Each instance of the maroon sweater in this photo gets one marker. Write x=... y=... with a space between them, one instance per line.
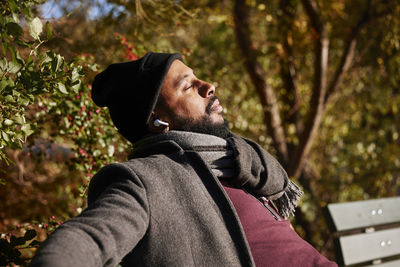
x=273 y=243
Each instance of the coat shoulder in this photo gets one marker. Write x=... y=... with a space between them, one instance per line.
x=108 y=175
x=137 y=170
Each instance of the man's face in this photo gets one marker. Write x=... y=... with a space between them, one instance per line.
x=188 y=103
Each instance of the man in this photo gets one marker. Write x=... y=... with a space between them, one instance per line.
x=192 y=193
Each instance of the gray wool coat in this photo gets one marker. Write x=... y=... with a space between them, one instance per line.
x=162 y=208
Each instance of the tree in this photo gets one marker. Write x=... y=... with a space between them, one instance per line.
x=294 y=107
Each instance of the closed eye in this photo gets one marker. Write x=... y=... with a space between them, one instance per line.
x=190 y=86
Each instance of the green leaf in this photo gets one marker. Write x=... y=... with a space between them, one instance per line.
x=60 y=61
x=110 y=150
x=30 y=97
x=5 y=136
x=35 y=243
x=3 y=63
x=27 y=11
x=44 y=58
x=26 y=128
x=3 y=85
x=19 y=119
x=15 y=17
x=2 y=20
x=75 y=75
x=10 y=83
x=16 y=144
x=22 y=43
x=9 y=99
x=93 y=67
x=14 y=29
x=8 y=122
x=16 y=94
x=19 y=59
x=56 y=63
x=13 y=67
x=96 y=153
x=4 y=157
x=49 y=33
x=35 y=28
x=13 y=52
x=13 y=6
x=3 y=181
x=102 y=142
x=23 y=101
x=62 y=88
x=75 y=87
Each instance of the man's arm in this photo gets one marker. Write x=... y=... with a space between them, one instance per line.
x=103 y=233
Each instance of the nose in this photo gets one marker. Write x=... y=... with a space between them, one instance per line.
x=206 y=89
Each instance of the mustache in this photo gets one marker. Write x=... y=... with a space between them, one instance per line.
x=210 y=104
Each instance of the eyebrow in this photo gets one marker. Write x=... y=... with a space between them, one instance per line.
x=180 y=81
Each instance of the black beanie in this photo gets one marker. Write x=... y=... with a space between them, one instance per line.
x=130 y=91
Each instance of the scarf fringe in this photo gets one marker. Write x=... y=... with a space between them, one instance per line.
x=287 y=203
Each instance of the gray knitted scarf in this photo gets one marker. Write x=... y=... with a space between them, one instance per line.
x=239 y=163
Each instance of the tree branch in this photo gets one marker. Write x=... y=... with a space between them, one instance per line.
x=288 y=69
x=258 y=76
x=348 y=53
x=316 y=106
x=312 y=11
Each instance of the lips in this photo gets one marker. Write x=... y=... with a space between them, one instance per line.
x=216 y=107
x=213 y=106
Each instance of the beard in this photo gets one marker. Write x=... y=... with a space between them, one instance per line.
x=203 y=125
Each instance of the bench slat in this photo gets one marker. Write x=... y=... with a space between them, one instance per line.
x=395 y=263
x=370 y=246
x=361 y=214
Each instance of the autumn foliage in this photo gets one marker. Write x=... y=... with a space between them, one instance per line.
x=314 y=82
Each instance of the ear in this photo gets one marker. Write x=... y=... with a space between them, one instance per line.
x=156 y=129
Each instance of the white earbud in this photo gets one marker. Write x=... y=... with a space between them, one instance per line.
x=158 y=123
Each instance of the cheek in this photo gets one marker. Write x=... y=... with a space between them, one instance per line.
x=191 y=107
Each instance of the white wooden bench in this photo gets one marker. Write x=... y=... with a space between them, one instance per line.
x=366 y=233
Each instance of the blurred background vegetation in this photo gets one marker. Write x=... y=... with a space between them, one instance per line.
x=315 y=82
